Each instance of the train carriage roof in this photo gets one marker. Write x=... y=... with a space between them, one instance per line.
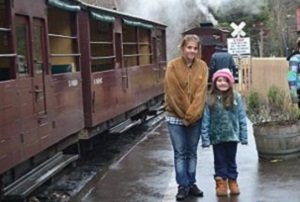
x=203 y=30
x=127 y=18
x=72 y=5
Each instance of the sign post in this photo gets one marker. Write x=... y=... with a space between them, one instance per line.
x=237 y=46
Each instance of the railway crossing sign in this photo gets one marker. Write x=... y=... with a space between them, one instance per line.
x=238 y=29
x=239 y=46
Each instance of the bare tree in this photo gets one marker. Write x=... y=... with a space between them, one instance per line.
x=283 y=25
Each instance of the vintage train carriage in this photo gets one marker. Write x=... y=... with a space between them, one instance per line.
x=70 y=70
x=123 y=66
x=210 y=37
x=39 y=106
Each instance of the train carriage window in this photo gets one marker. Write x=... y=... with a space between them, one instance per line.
x=63 y=41
x=6 y=55
x=145 y=46
x=137 y=49
x=102 y=49
x=130 y=46
x=38 y=31
x=22 y=34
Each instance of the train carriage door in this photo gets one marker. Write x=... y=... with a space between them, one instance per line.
x=30 y=51
x=161 y=51
x=155 y=57
x=38 y=48
x=130 y=50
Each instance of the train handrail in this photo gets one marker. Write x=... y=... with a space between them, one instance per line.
x=5 y=29
x=101 y=42
x=8 y=55
x=62 y=36
x=65 y=55
x=103 y=57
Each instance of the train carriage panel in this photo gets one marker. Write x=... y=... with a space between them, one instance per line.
x=31 y=62
x=144 y=78
x=103 y=93
x=64 y=59
x=22 y=55
x=46 y=106
x=9 y=126
x=119 y=65
x=9 y=119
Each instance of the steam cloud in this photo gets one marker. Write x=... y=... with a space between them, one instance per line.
x=180 y=15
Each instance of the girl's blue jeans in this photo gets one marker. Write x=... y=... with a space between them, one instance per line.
x=225 y=160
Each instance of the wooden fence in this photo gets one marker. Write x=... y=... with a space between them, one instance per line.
x=259 y=74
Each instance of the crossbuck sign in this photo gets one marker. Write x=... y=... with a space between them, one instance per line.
x=238 y=29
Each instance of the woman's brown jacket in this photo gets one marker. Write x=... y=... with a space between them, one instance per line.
x=185 y=89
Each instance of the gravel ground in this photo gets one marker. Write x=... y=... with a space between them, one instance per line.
x=76 y=180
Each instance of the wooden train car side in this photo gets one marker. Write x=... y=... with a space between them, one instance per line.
x=44 y=108
x=69 y=70
x=123 y=64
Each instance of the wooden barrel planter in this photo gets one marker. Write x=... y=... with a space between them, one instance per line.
x=277 y=140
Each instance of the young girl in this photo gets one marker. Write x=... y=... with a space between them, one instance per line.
x=223 y=126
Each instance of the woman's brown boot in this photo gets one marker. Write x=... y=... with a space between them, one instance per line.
x=221 y=186
x=233 y=187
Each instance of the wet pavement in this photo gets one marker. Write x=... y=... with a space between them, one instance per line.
x=146 y=174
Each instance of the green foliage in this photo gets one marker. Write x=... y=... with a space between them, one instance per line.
x=276 y=97
x=274 y=19
x=277 y=107
x=254 y=22
x=253 y=101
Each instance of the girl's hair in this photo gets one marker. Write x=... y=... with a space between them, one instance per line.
x=227 y=97
x=189 y=37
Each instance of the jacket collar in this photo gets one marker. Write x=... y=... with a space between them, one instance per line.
x=186 y=63
x=293 y=53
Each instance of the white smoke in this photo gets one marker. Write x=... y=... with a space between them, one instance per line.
x=181 y=15
x=173 y=13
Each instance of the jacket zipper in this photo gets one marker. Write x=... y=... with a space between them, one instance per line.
x=189 y=83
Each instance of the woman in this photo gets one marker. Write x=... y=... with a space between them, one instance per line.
x=185 y=90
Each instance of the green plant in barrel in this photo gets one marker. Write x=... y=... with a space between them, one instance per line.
x=276 y=124
x=276 y=107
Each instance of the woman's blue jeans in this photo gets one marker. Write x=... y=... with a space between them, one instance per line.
x=185 y=142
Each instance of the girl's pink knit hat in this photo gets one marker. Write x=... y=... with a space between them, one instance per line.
x=224 y=73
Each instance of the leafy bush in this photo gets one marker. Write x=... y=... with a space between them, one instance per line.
x=277 y=107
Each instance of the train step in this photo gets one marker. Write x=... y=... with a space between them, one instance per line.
x=124 y=126
x=155 y=110
x=24 y=186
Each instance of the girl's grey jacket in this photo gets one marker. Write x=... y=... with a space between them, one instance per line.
x=224 y=125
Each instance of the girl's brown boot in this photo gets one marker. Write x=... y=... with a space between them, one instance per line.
x=221 y=186
x=233 y=187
